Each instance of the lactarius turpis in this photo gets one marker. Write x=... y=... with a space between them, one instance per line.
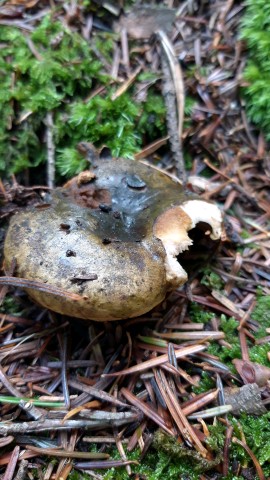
x=111 y=235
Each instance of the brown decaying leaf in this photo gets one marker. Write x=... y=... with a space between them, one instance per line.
x=251 y=372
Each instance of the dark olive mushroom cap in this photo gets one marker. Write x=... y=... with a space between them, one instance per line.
x=111 y=236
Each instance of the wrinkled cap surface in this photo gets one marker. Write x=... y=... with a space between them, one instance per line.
x=111 y=235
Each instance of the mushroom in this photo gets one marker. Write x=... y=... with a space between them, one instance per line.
x=112 y=236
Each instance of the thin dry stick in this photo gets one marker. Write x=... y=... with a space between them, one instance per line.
x=50 y=150
x=154 y=362
x=174 y=96
x=66 y=453
x=22 y=470
x=199 y=402
x=42 y=287
x=63 y=345
x=252 y=456
x=226 y=450
x=12 y=464
x=28 y=407
x=52 y=425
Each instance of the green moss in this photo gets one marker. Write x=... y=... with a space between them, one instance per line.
x=257 y=434
x=199 y=314
x=258 y=354
x=207 y=382
x=212 y=280
x=261 y=312
x=56 y=70
x=216 y=438
x=227 y=354
x=255 y=31
x=10 y=306
x=172 y=460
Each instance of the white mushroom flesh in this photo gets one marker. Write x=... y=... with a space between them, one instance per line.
x=172 y=229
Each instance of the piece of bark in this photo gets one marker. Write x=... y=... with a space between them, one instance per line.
x=142 y=22
x=246 y=399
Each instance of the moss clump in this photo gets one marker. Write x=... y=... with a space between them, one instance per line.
x=190 y=459
x=257 y=434
x=261 y=312
x=53 y=69
x=212 y=280
x=199 y=314
x=255 y=31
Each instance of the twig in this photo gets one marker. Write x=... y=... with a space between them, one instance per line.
x=22 y=470
x=174 y=97
x=63 y=345
x=42 y=287
x=46 y=425
x=28 y=407
x=252 y=456
x=12 y=464
x=154 y=362
x=95 y=392
x=67 y=454
x=104 y=464
x=50 y=150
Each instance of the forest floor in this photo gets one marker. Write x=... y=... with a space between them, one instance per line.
x=204 y=416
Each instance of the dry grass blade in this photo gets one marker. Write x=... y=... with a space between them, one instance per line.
x=199 y=402
x=211 y=412
x=180 y=419
x=150 y=149
x=104 y=465
x=148 y=411
x=123 y=88
x=100 y=394
x=183 y=352
x=75 y=411
x=208 y=335
x=185 y=326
